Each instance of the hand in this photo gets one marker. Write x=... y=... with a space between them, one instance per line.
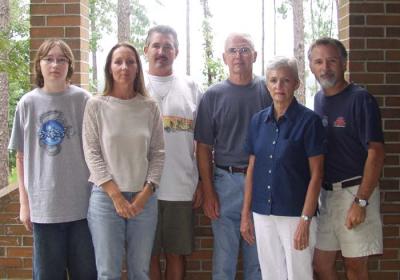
x=355 y=216
x=25 y=217
x=302 y=234
x=198 y=197
x=138 y=203
x=122 y=206
x=211 y=205
x=247 y=229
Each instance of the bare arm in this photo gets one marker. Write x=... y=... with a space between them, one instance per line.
x=246 y=223
x=301 y=237
x=24 y=212
x=372 y=171
x=204 y=160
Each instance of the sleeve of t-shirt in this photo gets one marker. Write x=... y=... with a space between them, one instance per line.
x=203 y=132
x=368 y=120
x=315 y=137
x=17 y=134
x=91 y=145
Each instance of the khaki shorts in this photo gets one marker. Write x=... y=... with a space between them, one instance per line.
x=174 y=233
x=332 y=234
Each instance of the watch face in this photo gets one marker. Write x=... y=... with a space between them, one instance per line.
x=361 y=202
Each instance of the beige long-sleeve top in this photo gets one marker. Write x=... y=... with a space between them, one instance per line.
x=123 y=141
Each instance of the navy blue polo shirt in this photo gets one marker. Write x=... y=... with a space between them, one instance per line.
x=352 y=119
x=282 y=148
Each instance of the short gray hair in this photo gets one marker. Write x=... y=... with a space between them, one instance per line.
x=326 y=41
x=245 y=36
x=283 y=62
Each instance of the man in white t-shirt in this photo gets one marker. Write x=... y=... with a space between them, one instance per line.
x=178 y=97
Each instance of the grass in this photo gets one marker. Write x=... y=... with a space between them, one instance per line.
x=12 y=178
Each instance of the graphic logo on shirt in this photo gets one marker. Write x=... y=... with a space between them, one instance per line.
x=52 y=131
x=173 y=124
x=325 y=121
x=339 y=122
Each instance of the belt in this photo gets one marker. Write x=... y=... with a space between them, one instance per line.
x=342 y=185
x=233 y=169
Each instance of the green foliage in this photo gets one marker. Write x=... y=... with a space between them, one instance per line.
x=140 y=23
x=101 y=14
x=283 y=9
x=14 y=44
x=213 y=70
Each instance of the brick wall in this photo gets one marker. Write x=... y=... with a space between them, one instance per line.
x=370 y=30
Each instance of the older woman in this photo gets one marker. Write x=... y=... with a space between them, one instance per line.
x=124 y=150
x=286 y=144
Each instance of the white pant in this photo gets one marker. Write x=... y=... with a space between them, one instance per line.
x=275 y=245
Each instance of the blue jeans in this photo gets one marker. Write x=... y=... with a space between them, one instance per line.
x=226 y=229
x=112 y=235
x=61 y=248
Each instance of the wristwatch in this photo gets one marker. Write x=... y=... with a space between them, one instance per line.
x=361 y=202
x=306 y=218
x=151 y=185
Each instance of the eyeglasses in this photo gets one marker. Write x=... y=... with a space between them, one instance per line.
x=51 y=60
x=241 y=51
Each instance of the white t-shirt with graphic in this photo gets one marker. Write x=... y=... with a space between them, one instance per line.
x=178 y=98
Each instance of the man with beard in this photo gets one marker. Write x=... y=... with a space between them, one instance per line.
x=221 y=127
x=178 y=97
x=349 y=218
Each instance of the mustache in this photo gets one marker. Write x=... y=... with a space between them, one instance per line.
x=163 y=57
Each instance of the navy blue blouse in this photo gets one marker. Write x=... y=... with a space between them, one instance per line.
x=282 y=148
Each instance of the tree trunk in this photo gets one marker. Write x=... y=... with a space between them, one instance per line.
x=298 y=32
x=124 y=12
x=4 y=25
x=188 y=37
x=262 y=37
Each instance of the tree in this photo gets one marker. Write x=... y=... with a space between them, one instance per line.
x=139 y=25
x=100 y=15
x=123 y=15
x=298 y=33
x=14 y=60
x=213 y=68
x=4 y=26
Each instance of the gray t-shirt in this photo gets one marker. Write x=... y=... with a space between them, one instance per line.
x=223 y=117
x=48 y=131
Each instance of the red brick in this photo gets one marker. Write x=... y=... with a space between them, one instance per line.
x=19 y=251
x=16 y=230
x=383 y=20
x=392 y=78
x=48 y=9
x=367 y=78
x=37 y=20
x=392 y=160
x=391 y=171
x=390 y=231
x=63 y=20
x=391 y=242
x=384 y=89
x=10 y=262
x=27 y=262
x=383 y=43
x=393 y=31
x=393 y=8
x=383 y=67
x=390 y=208
x=47 y=32
x=389 y=184
x=357 y=20
x=383 y=275
x=27 y=241
x=392 y=124
x=366 y=55
x=392 y=101
x=390 y=113
x=364 y=8
x=392 y=136
x=9 y=241
x=19 y=274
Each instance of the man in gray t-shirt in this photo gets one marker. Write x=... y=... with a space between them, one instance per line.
x=221 y=127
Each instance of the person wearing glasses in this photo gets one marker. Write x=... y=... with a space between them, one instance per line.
x=52 y=173
x=286 y=146
x=124 y=149
x=223 y=117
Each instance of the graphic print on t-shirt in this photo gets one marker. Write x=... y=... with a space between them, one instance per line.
x=52 y=131
x=174 y=123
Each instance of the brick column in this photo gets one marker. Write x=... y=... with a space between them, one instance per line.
x=67 y=20
x=371 y=32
